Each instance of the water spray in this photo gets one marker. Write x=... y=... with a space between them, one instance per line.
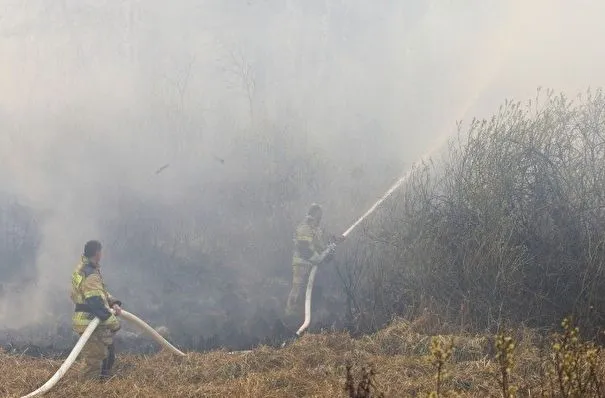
x=84 y=338
x=371 y=210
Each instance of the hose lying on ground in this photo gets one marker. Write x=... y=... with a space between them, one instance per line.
x=84 y=338
x=68 y=362
x=152 y=332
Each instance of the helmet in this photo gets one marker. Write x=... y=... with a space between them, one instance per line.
x=315 y=211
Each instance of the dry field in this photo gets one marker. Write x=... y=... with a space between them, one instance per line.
x=314 y=366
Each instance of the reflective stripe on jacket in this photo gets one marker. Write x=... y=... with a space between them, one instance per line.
x=308 y=241
x=91 y=298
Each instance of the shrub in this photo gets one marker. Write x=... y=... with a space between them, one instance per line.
x=509 y=225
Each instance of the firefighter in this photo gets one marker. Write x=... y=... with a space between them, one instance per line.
x=309 y=249
x=91 y=300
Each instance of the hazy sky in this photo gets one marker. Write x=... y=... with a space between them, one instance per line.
x=96 y=95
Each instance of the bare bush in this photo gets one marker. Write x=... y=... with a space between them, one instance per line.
x=508 y=226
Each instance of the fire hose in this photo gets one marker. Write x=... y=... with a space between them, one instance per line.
x=309 y=290
x=84 y=338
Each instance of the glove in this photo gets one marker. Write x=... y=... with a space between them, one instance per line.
x=316 y=259
x=113 y=302
x=336 y=239
x=328 y=254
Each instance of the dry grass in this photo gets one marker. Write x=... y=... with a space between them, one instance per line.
x=313 y=366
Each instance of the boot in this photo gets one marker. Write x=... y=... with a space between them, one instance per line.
x=108 y=363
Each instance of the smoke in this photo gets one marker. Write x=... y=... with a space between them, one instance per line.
x=222 y=120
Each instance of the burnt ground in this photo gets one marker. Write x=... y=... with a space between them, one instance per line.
x=48 y=342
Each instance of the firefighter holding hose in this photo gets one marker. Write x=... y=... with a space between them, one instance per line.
x=91 y=300
x=310 y=249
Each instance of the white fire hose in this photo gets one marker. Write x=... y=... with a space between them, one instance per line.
x=309 y=291
x=84 y=338
x=152 y=332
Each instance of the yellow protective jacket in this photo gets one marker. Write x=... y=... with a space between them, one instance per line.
x=91 y=298
x=308 y=243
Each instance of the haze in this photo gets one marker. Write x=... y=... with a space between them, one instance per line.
x=218 y=122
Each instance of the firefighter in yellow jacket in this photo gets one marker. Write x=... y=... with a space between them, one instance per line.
x=92 y=300
x=310 y=249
